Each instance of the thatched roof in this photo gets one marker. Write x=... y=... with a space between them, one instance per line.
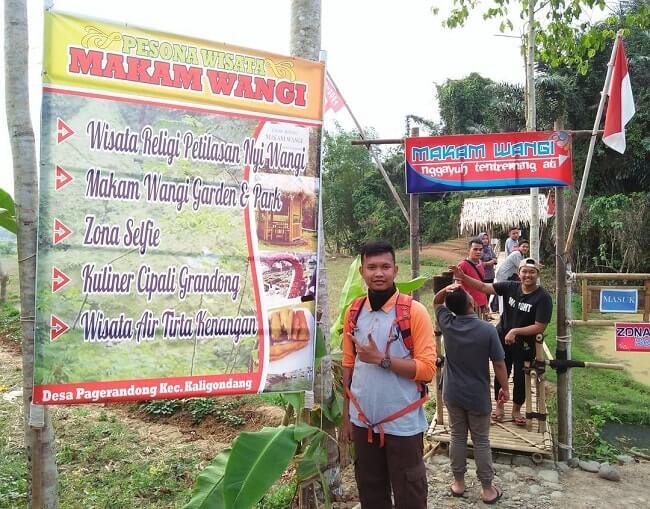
x=288 y=184
x=483 y=214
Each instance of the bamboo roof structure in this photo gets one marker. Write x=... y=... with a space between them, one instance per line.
x=288 y=184
x=483 y=214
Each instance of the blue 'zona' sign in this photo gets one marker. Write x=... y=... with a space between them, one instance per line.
x=618 y=300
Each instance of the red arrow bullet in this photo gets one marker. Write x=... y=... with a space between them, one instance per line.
x=57 y=327
x=63 y=131
x=59 y=279
x=61 y=178
x=61 y=231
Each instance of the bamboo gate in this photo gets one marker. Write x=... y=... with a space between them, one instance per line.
x=535 y=440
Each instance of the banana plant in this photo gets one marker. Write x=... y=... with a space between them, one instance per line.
x=7 y=212
x=240 y=476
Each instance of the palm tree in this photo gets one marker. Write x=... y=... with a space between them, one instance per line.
x=306 y=42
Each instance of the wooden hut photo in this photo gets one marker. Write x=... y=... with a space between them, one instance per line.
x=286 y=226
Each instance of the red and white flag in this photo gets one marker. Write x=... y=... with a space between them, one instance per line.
x=333 y=100
x=620 y=106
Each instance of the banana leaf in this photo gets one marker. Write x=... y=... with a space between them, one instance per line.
x=302 y=431
x=412 y=285
x=321 y=348
x=7 y=212
x=208 y=491
x=310 y=462
x=296 y=400
x=256 y=461
x=334 y=411
x=352 y=288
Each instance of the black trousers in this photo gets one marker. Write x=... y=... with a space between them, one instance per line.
x=397 y=465
x=516 y=354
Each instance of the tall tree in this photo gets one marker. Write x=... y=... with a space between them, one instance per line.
x=306 y=43
x=563 y=37
x=39 y=441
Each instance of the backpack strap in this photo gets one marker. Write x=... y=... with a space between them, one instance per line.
x=403 y=317
x=355 y=310
x=424 y=397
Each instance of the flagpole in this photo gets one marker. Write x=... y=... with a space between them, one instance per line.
x=592 y=144
x=372 y=153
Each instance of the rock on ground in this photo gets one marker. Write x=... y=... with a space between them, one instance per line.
x=589 y=466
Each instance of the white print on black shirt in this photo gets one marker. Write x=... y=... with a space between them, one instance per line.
x=522 y=306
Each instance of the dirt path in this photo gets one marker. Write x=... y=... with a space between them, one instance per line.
x=542 y=486
x=636 y=364
x=451 y=250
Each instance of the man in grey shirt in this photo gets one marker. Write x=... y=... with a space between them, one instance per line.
x=512 y=241
x=470 y=344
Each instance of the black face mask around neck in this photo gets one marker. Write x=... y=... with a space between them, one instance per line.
x=378 y=299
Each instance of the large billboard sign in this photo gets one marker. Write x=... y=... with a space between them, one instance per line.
x=438 y=164
x=177 y=243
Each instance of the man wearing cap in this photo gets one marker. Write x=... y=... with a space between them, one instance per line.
x=527 y=310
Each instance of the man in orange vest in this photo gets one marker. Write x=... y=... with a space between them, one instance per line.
x=388 y=356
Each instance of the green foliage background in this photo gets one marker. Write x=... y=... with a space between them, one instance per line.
x=615 y=217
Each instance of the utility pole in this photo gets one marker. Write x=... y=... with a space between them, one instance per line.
x=531 y=125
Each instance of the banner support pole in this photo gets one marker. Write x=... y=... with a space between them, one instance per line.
x=380 y=166
x=592 y=144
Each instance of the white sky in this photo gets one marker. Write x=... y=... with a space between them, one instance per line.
x=384 y=56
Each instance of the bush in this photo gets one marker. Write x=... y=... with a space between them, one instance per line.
x=162 y=407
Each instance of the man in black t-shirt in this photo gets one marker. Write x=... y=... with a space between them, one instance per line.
x=527 y=310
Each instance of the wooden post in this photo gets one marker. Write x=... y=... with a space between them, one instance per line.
x=414 y=227
x=561 y=350
x=540 y=386
x=439 y=282
x=586 y=301
x=440 y=413
x=4 y=279
x=528 y=373
x=646 y=303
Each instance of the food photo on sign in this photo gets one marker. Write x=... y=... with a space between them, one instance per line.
x=289 y=290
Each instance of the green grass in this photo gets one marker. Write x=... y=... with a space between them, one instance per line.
x=109 y=463
x=10 y=323
x=13 y=470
